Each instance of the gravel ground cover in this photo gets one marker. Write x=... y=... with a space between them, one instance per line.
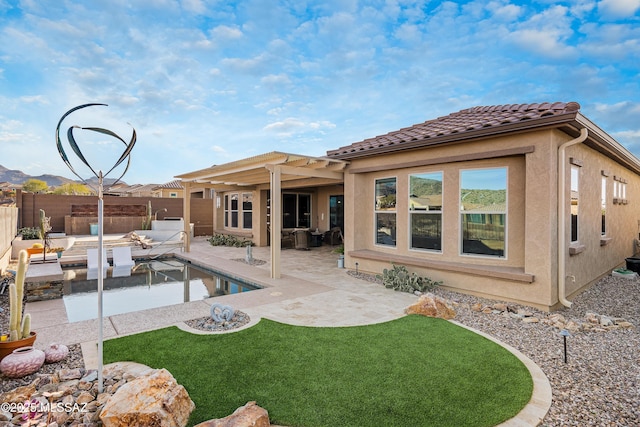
x=598 y=386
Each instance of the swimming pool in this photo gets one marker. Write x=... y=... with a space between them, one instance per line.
x=152 y=284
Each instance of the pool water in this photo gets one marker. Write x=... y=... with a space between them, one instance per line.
x=152 y=284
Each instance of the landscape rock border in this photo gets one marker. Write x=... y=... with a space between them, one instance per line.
x=592 y=322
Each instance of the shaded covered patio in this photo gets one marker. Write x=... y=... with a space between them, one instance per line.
x=249 y=191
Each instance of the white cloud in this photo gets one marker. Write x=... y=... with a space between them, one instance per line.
x=292 y=126
x=250 y=65
x=504 y=12
x=627 y=134
x=195 y=6
x=275 y=80
x=226 y=32
x=618 y=8
x=286 y=126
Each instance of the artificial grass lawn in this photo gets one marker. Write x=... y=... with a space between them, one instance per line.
x=413 y=371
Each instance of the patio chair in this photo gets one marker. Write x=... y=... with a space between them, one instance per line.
x=287 y=240
x=302 y=239
x=92 y=263
x=333 y=236
x=122 y=261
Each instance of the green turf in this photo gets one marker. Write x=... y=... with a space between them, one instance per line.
x=413 y=371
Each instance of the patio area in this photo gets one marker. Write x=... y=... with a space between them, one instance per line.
x=312 y=291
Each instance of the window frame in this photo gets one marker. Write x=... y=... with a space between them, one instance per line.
x=483 y=213
x=574 y=199
x=245 y=211
x=377 y=210
x=426 y=212
x=297 y=214
x=234 y=218
x=603 y=205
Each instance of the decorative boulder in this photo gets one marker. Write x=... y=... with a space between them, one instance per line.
x=432 y=306
x=155 y=399
x=249 y=415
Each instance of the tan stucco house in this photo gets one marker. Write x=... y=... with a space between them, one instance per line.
x=529 y=203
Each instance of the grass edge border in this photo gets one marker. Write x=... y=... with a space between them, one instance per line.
x=536 y=409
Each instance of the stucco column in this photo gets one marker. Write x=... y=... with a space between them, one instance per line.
x=276 y=220
x=186 y=214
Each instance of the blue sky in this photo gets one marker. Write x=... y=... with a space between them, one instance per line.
x=205 y=82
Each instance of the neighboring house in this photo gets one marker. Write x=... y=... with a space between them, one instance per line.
x=119 y=190
x=141 y=190
x=530 y=203
x=171 y=189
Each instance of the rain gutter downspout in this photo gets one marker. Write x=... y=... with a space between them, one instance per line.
x=562 y=252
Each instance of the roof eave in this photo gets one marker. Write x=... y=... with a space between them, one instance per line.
x=482 y=133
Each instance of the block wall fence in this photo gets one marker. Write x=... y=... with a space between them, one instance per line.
x=57 y=207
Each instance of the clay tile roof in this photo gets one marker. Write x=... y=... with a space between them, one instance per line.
x=465 y=124
x=175 y=184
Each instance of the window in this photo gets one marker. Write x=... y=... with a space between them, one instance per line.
x=619 y=190
x=425 y=211
x=483 y=211
x=226 y=210
x=603 y=206
x=336 y=211
x=296 y=210
x=575 y=197
x=234 y=211
x=385 y=211
x=247 y=206
x=173 y=194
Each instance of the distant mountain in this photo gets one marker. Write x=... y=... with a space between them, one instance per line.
x=19 y=177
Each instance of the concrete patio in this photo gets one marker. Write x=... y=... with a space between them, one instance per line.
x=313 y=291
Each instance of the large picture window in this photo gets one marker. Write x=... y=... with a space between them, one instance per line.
x=483 y=211
x=425 y=210
x=385 y=211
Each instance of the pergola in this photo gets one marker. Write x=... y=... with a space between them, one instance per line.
x=270 y=171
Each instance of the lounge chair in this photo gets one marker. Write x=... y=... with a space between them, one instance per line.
x=92 y=263
x=122 y=261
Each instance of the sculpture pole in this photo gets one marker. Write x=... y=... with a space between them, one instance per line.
x=100 y=176
x=100 y=279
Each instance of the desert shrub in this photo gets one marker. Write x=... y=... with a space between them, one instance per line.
x=30 y=233
x=228 y=240
x=398 y=278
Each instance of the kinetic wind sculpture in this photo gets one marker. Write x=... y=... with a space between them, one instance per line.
x=126 y=155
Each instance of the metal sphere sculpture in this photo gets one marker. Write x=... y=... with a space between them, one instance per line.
x=76 y=149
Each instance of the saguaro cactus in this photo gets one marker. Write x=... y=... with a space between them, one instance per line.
x=19 y=328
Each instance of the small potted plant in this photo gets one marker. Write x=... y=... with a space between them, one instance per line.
x=56 y=250
x=19 y=332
